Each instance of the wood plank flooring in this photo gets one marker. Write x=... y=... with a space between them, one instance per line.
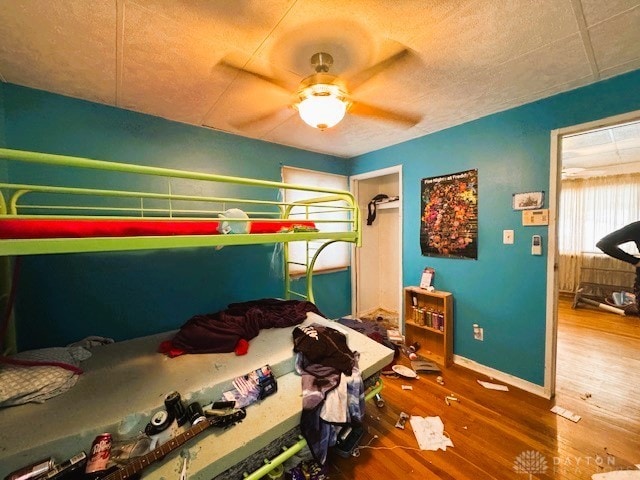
x=511 y=435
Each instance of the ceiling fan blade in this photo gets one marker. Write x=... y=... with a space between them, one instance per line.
x=273 y=81
x=366 y=110
x=368 y=73
x=274 y=117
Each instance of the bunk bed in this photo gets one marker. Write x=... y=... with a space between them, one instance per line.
x=136 y=207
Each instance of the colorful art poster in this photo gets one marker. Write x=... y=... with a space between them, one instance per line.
x=449 y=215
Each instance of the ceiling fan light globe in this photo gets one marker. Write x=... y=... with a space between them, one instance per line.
x=322 y=111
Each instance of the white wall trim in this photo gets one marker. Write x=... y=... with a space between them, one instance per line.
x=551 y=329
x=353 y=183
x=378 y=173
x=501 y=377
x=552 y=267
x=606 y=122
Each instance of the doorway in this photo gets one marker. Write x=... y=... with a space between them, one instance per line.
x=377 y=273
x=600 y=150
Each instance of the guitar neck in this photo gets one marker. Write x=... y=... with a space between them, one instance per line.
x=139 y=463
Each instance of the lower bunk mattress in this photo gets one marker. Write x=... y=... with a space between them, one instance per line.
x=125 y=383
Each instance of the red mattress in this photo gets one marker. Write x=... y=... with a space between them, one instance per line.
x=28 y=228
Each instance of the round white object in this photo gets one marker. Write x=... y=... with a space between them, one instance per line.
x=234 y=226
x=404 y=371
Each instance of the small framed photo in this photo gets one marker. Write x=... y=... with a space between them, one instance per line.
x=426 y=280
x=528 y=200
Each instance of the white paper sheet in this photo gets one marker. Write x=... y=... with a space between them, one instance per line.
x=429 y=432
x=493 y=386
x=568 y=414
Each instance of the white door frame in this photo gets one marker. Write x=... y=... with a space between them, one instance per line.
x=353 y=181
x=552 y=257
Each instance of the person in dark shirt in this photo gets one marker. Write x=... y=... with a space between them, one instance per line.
x=610 y=244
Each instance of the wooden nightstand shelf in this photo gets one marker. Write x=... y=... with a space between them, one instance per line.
x=428 y=319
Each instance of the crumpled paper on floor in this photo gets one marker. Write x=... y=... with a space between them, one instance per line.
x=429 y=432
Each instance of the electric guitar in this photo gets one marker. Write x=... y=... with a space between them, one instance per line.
x=137 y=464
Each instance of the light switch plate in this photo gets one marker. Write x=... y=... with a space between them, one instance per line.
x=507 y=237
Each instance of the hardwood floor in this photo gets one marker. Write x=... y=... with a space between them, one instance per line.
x=598 y=375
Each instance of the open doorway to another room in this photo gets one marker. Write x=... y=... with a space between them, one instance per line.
x=377 y=272
x=594 y=340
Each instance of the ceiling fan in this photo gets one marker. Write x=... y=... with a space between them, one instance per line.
x=322 y=99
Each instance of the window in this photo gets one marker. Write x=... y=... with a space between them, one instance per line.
x=591 y=208
x=337 y=255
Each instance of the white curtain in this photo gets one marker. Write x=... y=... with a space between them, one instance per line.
x=590 y=208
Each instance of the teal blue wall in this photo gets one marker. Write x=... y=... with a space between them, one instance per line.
x=504 y=290
x=2 y=114
x=63 y=298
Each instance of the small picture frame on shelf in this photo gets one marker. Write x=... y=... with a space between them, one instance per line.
x=426 y=281
x=528 y=200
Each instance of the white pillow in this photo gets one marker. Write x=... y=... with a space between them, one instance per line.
x=23 y=384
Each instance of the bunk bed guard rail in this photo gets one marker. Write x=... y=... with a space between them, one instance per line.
x=334 y=212
x=161 y=208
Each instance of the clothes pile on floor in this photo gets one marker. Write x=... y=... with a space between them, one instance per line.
x=375 y=331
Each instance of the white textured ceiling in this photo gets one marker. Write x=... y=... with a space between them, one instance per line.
x=170 y=58
x=607 y=151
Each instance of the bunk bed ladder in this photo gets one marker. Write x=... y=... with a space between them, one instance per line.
x=312 y=250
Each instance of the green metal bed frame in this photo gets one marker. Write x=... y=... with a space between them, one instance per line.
x=12 y=205
x=176 y=206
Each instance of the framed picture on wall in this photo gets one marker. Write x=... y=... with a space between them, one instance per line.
x=426 y=280
x=528 y=200
x=449 y=215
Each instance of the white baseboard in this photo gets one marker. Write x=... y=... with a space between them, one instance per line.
x=501 y=376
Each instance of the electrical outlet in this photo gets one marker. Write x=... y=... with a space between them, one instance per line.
x=478 y=332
